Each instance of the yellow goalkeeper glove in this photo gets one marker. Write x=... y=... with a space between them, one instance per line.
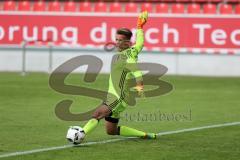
x=142 y=19
x=139 y=89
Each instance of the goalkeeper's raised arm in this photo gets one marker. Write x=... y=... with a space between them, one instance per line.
x=142 y=19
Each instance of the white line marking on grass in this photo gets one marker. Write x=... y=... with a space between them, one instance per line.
x=115 y=140
x=198 y=128
x=56 y=148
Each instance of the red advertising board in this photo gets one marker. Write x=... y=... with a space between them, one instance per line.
x=94 y=29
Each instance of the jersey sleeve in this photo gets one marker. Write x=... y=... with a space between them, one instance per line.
x=139 y=41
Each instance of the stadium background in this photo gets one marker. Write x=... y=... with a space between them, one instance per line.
x=197 y=40
x=189 y=37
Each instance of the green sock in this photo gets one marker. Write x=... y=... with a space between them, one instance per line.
x=91 y=124
x=130 y=132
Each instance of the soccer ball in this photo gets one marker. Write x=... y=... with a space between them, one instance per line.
x=75 y=134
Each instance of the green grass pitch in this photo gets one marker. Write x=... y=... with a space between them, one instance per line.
x=28 y=121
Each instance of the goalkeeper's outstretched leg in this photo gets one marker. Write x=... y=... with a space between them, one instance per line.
x=112 y=127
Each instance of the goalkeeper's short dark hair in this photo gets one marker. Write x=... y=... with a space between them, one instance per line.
x=126 y=32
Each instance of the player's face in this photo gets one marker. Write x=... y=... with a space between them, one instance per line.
x=122 y=42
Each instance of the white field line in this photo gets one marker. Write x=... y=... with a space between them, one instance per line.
x=114 y=140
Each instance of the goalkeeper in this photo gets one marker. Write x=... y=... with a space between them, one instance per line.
x=121 y=71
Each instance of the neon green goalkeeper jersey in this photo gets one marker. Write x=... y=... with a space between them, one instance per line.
x=123 y=68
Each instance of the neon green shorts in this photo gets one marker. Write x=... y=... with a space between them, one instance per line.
x=117 y=108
